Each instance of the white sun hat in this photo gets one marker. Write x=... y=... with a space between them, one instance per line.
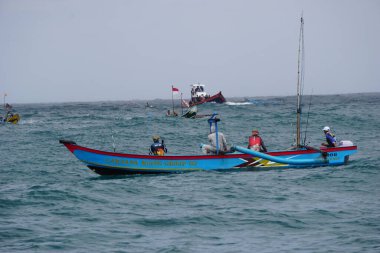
x=326 y=128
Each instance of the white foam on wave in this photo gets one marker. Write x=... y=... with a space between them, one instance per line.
x=28 y=122
x=239 y=103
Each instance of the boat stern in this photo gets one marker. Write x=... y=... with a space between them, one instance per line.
x=339 y=155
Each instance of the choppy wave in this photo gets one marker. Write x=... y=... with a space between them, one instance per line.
x=50 y=202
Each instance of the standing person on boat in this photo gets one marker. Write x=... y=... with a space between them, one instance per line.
x=8 y=111
x=256 y=143
x=158 y=148
x=7 y=107
x=222 y=143
x=330 y=138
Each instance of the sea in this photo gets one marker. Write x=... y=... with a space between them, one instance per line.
x=51 y=202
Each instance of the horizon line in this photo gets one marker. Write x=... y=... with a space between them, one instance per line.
x=138 y=99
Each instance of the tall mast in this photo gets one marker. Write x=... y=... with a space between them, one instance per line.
x=299 y=84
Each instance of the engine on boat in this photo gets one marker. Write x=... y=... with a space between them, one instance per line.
x=345 y=144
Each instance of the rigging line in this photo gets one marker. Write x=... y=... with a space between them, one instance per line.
x=307 y=119
x=294 y=134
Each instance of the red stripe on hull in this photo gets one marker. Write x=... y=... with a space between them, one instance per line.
x=73 y=147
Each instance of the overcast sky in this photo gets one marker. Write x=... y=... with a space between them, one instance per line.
x=96 y=50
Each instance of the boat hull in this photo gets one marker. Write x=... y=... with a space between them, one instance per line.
x=14 y=119
x=191 y=113
x=217 y=98
x=110 y=163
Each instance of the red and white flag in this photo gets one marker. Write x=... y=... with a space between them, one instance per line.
x=175 y=90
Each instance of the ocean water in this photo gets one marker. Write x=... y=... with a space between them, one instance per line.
x=50 y=202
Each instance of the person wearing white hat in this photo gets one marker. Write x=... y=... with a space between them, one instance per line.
x=330 y=138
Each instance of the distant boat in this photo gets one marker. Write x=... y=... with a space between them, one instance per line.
x=199 y=96
x=148 y=105
x=172 y=113
x=191 y=112
x=9 y=116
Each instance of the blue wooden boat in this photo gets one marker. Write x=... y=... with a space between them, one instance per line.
x=111 y=163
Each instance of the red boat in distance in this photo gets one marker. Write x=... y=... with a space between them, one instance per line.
x=199 y=96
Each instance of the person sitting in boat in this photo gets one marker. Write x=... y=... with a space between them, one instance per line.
x=256 y=143
x=9 y=115
x=158 y=148
x=169 y=114
x=222 y=143
x=330 y=138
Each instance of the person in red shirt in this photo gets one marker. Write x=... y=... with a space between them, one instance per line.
x=256 y=143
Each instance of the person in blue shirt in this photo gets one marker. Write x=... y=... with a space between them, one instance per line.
x=158 y=148
x=330 y=138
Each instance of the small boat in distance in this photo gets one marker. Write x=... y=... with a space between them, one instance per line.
x=199 y=95
x=148 y=105
x=9 y=116
x=191 y=113
x=191 y=110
